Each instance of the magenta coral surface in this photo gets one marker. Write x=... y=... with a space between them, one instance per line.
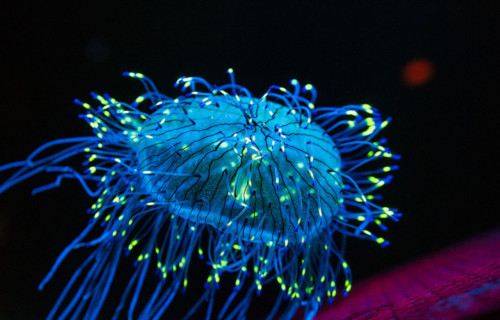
x=460 y=282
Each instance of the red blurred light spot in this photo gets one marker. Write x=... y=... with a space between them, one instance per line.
x=418 y=72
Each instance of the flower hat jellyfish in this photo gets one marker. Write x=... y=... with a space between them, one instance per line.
x=252 y=186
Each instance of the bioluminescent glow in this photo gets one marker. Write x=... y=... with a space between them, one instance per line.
x=252 y=186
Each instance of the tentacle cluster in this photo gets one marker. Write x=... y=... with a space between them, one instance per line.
x=256 y=202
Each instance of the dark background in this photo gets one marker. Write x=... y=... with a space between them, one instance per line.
x=353 y=52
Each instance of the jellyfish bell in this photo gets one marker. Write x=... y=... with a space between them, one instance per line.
x=232 y=166
x=253 y=186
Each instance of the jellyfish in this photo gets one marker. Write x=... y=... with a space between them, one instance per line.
x=252 y=186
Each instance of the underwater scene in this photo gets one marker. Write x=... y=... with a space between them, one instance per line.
x=249 y=160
